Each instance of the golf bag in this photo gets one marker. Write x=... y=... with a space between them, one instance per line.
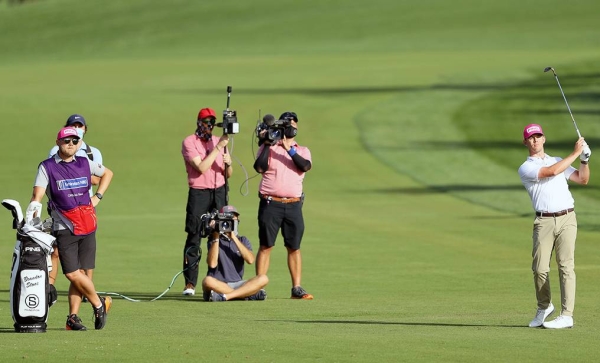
x=31 y=294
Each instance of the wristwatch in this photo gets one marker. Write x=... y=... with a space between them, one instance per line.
x=98 y=195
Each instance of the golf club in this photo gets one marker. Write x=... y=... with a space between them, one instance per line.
x=565 y=98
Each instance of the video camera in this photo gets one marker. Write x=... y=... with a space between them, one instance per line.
x=276 y=129
x=217 y=222
x=230 y=124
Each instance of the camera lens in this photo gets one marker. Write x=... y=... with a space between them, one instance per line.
x=226 y=226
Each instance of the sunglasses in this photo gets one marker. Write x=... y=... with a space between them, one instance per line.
x=67 y=140
x=209 y=121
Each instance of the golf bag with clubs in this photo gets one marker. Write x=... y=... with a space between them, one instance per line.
x=31 y=294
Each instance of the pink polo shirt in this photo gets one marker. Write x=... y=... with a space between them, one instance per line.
x=283 y=178
x=213 y=178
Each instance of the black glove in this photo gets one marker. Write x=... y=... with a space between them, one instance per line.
x=52 y=296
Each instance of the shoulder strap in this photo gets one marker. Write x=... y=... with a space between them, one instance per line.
x=88 y=151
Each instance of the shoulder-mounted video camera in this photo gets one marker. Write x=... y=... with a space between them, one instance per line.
x=217 y=222
x=275 y=130
x=230 y=124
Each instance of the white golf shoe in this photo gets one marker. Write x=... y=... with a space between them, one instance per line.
x=190 y=291
x=540 y=316
x=562 y=322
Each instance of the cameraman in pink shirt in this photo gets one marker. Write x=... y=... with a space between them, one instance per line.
x=205 y=163
x=283 y=164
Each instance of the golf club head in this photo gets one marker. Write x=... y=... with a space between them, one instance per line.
x=15 y=209
x=549 y=69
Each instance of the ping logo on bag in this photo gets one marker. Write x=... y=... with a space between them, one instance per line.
x=33 y=249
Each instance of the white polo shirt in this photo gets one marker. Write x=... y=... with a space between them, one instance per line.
x=547 y=194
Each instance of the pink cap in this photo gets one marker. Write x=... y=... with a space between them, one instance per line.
x=66 y=132
x=532 y=129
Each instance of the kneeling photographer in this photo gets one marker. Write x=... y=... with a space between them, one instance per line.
x=227 y=254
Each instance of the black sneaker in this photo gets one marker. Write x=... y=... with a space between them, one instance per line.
x=101 y=313
x=74 y=323
x=215 y=296
x=260 y=295
x=299 y=293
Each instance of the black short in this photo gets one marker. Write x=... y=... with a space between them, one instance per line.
x=273 y=216
x=76 y=252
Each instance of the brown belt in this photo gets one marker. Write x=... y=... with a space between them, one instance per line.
x=555 y=214
x=280 y=199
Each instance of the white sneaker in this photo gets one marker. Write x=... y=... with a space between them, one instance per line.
x=563 y=321
x=189 y=292
x=540 y=316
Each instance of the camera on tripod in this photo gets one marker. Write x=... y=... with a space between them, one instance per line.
x=217 y=222
x=230 y=124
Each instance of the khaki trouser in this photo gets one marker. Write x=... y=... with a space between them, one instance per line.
x=558 y=234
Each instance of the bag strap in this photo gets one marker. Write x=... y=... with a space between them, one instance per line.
x=88 y=151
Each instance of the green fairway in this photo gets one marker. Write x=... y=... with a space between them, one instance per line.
x=418 y=238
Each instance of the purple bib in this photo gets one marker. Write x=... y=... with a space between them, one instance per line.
x=68 y=183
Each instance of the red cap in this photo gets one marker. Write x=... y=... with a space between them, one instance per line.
x=66 y=132
x=532 y=129
x=205 y=113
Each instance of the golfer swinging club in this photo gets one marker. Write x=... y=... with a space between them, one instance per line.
x=555 y=225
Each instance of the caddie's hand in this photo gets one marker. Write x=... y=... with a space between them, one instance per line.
x=227 y=159
x=586 y=153
x=95 y=201
x=34 y=209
